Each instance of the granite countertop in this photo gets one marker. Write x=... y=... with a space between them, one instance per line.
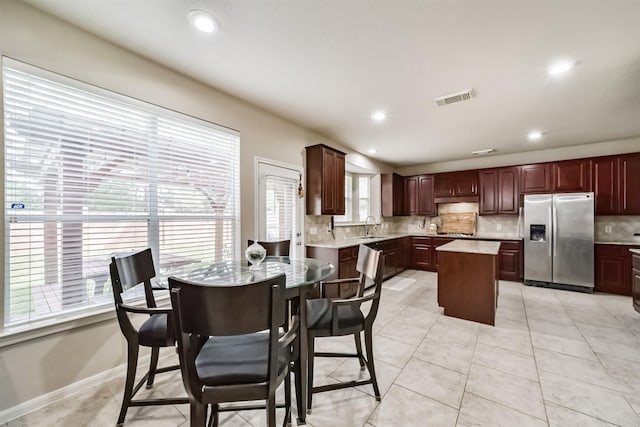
x=635 y=251
x=471 y=246
x=339 y=244
x=617 y=242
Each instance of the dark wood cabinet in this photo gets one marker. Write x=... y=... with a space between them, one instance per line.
x=325 y=170
x=419 y=195
x=510 y=258
x=612 y=266
x=629 y=198
x=572 y=176
x=345 y=261
x=635 y=280
x=392 y=194
x=435 y=242
x=453 y=187
x=605 y=184
x=536 y=178
x=422 y=254
x=498 y=190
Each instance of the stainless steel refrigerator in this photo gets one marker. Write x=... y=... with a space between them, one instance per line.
x=558 y=240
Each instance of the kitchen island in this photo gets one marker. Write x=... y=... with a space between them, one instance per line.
x=468 y=279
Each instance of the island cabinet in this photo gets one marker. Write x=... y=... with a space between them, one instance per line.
x=499 y=192
x=572 y=176
x=510 y=261
x=325 y=169
x=468 y=280
x=454 y=187
x=392 y=194
x=635 y=279
x=418 y=194
x=612 y=266
x=536 y=179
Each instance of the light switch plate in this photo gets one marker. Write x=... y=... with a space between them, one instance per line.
x=313 y=230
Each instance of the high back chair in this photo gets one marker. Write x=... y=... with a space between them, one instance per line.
x=155 y=332
x=230 y=345
x=276 y=248
x=337 y=317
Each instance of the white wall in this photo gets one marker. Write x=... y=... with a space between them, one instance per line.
x=33 y=368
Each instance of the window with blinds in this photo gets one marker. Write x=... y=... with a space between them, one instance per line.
x=90 y=173
x=281 y=194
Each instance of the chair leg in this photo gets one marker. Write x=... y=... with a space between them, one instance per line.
x=153 y=365
x=359 y=350
x=132 y=364
x=271 y=409
x=368 y=341
x=287 y=399
x=198 y=414
x=310 y=372
x=215 y=416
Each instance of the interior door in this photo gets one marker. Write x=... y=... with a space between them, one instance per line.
x=279 y=212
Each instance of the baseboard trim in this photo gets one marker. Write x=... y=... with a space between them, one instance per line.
x=65 y=392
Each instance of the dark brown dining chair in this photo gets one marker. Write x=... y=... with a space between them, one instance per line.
x=337 y=317
x=275 y=248
x=157 y=331
x=230 y=345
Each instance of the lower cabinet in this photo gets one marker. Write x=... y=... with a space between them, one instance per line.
x=422 y=254
x=510 y=261
x=612 y=269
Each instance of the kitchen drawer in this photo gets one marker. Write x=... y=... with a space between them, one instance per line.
x=509 y=246
x=421 y=240
x=612 y=250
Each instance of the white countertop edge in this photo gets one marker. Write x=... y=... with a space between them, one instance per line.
x=618 y=242
x=635 y=251
x=339 y=244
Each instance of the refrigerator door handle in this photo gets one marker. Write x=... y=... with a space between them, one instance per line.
x=555 y=231
x=550 y=235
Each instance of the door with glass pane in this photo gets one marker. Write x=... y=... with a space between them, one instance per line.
x=279 y=209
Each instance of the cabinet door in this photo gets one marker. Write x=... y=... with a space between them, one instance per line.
x=329 y=184
x=398 y=194
x=630 y=184
x=535 y=178
x=338 y=184
x=488 y=180
x=604 y=183
x=443 y=185
x=421 y=257
x=635 y=281
x=465 y=183
x=509 y=265
x=426 y=204
x=611 y=275
x=508 y=194
x=572 y=176
x=411 y=195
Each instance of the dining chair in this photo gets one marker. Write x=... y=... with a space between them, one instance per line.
x=338 y=317
x=155 y=332
x=275 y=248
x=231 y=347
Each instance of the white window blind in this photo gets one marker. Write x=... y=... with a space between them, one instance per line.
x=348 y=201
x=90 y=173
x=281 y=194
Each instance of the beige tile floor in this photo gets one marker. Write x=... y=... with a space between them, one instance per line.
x=554 y=358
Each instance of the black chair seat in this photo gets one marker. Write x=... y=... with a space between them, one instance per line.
x=239 y=359
x=153 y=332
x=319 y=315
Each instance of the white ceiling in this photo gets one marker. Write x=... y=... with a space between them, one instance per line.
x=327 y=64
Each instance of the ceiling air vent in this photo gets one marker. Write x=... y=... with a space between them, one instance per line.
x=454 y=97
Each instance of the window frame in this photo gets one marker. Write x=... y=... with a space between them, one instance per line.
x=88 y=314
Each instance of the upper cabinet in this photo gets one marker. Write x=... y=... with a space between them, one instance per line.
x=392 y=194
x=629 y=200
x=616 y=184
x=456 y=187
x=325 y=180
x=418 y=193
x=572 y=176
x=536 y=178
x=499 y=191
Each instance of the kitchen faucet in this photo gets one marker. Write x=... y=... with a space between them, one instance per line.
x=367 y=225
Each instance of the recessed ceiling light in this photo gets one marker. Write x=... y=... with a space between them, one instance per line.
x=379 y=116
x=560 y=67
x=372 y=151
x=534 y=135
x=203 y=21
x=485 y=151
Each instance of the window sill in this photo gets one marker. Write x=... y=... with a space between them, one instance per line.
x=23 y=333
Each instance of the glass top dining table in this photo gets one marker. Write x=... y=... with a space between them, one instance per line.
x=298 y=272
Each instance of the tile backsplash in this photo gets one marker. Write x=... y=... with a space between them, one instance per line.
x=617 y=229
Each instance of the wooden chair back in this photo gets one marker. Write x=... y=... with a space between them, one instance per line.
x=131 y=270
x=275 y=248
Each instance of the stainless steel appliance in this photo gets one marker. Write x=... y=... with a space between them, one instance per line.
x=558 y=240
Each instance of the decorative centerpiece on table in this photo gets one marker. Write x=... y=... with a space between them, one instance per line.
x=255 y=254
